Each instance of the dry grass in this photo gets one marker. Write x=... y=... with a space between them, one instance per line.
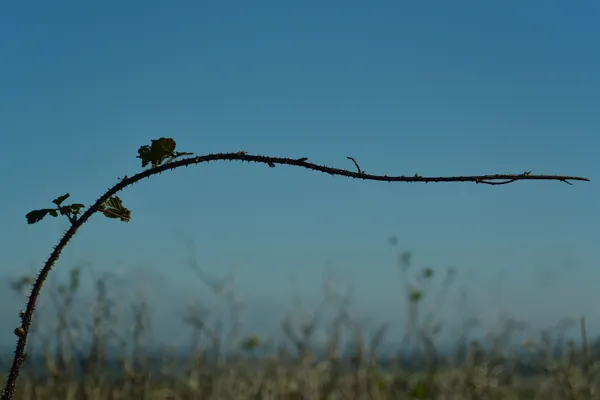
x=61 y=366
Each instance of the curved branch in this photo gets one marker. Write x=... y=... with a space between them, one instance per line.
x=26 y=317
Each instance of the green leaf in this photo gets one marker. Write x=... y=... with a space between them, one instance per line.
x=58 y=201
x=161 y=150
x=250 y=343
x=113 y=208
x=37 y=215
x=416 y=296
x=70 y=210
x=158 y=152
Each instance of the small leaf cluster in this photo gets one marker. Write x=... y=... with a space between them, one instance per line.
x=70 y=211
x=159 y=151
x=112 y=208
x=250 y=343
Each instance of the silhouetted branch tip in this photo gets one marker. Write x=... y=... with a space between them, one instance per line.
x=356 y=164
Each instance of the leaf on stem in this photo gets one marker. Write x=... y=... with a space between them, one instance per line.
x=113 y=208
x=58 y=201
x=72 y=209
x=36 y=216
x=160 y=150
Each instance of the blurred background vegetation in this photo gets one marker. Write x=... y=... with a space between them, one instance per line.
x=104 y=347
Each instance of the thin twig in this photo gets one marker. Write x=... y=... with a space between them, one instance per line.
x=356 y=164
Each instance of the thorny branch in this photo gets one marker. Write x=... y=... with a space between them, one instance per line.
x=492 y=179
x=171 y=164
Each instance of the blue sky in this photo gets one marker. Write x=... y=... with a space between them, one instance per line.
x=404 y=87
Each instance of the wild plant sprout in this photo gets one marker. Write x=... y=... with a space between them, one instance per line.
x=161 y=156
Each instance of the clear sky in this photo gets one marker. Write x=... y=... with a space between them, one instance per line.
x=435 y=88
